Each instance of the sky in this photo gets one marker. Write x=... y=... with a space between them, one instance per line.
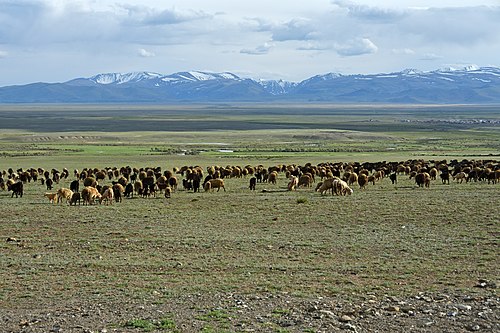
x=58 y=40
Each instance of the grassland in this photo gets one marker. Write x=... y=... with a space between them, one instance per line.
x=239 y=261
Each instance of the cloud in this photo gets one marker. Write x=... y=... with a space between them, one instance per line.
x=143 y=15
x=146 y=54
x=314 y=46
x=3 y=54
x=430 y=57
x=371 y=13
x=356 y=47
x=296 y=29
x=405 y=51
x=259 y=50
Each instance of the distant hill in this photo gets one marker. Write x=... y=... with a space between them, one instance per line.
x=469 y=85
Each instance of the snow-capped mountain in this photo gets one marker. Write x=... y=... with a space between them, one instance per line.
x=470 y=84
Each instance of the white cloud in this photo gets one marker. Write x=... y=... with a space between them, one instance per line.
x=303 y=38
x=146 y=54
x=405 y=51
x=259 y=50
x=430 y=57
x=296 y=29
x=356 y=47
x=150 y=16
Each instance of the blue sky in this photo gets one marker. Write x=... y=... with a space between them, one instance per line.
x=57 y=40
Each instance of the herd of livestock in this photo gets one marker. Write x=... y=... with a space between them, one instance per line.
x=337 y=178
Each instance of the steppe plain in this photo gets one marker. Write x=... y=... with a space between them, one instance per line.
x=390 y=258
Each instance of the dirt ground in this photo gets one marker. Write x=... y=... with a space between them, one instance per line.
x=476 y=311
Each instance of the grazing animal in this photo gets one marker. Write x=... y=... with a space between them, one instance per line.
x=445 y=177
x=168 y=192
x=187 y=184
x=90 y=181
x=129 y=190
x=172 y=181
x=138 y=187
x=423 y=179
x=89 y=195
x=17 y=189
x=51 y=196
x=363 y=180
x=64 y=193
x=76 y=197
x=271 y=178
x=107 y=196
x=342 y=188
x=74 y=186
x=48 y=183
x=292 y=185
x=394 y=178
x=216 y=183
x=460 y=177
x=327 y=184
x=207 y=186
x=253 y=183
x=305 y=180
x=118 y=190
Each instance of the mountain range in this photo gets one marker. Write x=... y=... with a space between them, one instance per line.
x=468 y=85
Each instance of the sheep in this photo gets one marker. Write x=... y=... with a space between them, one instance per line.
x=172 y=181
x=217 y=183
x=196 y=183
x=90 y=181
x=433 y=173
x=129 y=190
x=76 y=197
x=207 y=186
x=318 y=186
x=460 y=177
x=74 y=186
x=51 y=196
x=363 y=180
x=108 y=195
x=271 y=178
x=292 y=185
x=353 y=178
x=253 y=183
x=342 y=188
x=64 y=193
x=89 y=195
x=168 y=192
x=118 y=190
x=394 y=178
x=326 y=185
x=305 y=180
x=423 y=179
x=445 y=177
x=186 y=184
x=48 y=183
x=138 y=187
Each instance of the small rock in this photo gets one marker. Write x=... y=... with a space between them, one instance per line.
x=392 y=308
x=350 y=327
x=328 y=313
x=464 y=307
x=475 y=328
x=345 y=319
x=37 y=256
